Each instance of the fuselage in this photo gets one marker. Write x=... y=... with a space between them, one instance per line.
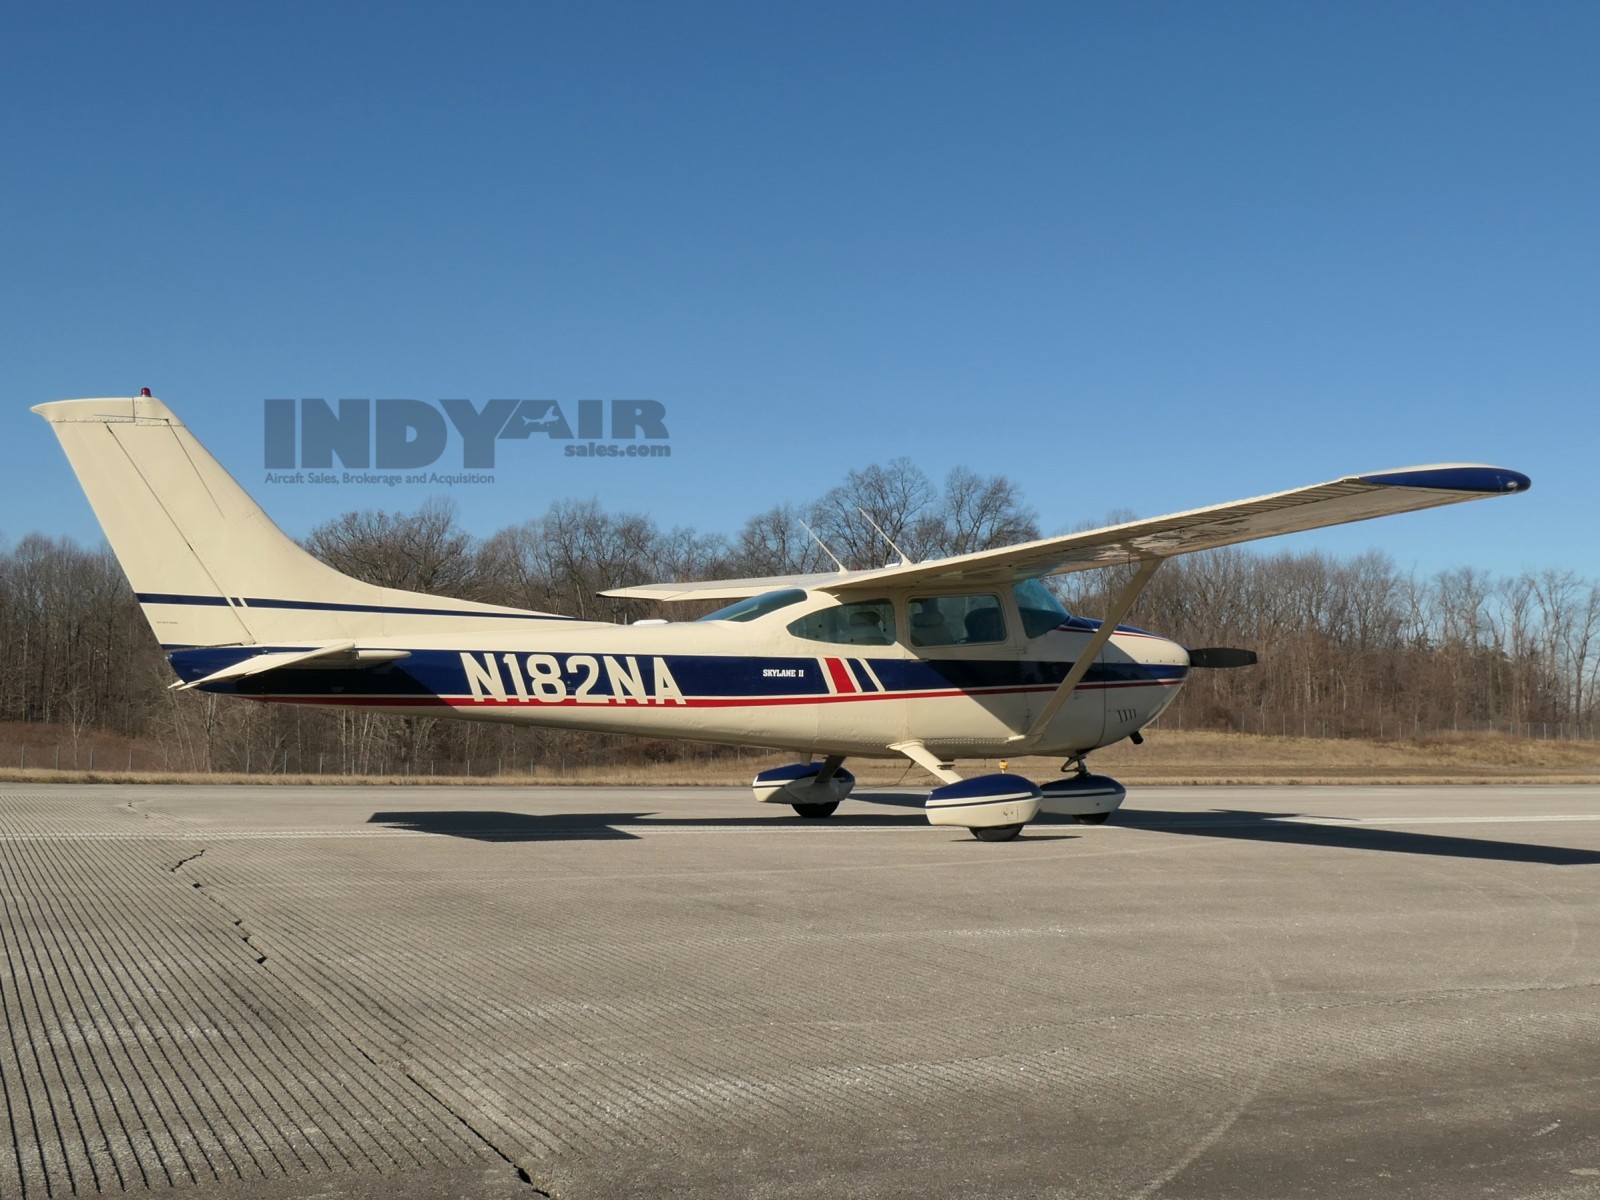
x=963 y=673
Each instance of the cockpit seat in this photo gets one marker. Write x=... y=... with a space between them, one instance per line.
x=928 y=628
x=986 y=625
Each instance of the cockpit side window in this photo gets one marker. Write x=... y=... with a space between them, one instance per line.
x=863 y=623
x=956 y=620
x=1040 y=610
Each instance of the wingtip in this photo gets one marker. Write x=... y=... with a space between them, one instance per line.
x=1455 y=477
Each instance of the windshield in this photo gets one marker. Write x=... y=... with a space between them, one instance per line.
x=1040 y=610
x=752 y=607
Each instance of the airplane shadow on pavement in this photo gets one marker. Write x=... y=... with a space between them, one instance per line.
x=1250 y=826
x=1235 y=824
x=538 y=827
x=500 y=826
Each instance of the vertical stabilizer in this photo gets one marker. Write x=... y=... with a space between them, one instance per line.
x=208 y=565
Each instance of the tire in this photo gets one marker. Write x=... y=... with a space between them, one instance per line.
x=1092 y=818
x=816 y=812
x=997 y=833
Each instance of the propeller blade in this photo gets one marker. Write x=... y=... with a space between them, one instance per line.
x=1222 y=657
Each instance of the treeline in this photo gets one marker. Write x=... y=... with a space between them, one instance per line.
x=1348 y=647
x=1358 y=647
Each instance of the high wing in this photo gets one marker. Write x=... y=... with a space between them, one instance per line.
x=1353 y=498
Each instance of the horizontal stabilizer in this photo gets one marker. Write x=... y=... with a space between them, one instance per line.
x=333 y=655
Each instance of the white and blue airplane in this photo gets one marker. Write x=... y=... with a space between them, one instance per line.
x=963 y=657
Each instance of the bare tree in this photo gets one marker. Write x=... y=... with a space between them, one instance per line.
x=423 y=551
x=776 y=543
x=895 y=497
x=980 y=513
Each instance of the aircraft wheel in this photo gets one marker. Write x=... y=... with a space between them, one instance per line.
x=816 y=811
x=1092 y=818
x=996 y=833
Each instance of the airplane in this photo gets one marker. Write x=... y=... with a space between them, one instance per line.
x=965 y=657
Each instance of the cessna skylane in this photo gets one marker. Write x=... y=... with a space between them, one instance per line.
x=968 y=657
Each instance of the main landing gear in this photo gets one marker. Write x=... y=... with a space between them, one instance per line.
x=813 y=789
x=994 y=807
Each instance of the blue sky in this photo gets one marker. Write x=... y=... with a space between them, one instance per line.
x=1135 y=256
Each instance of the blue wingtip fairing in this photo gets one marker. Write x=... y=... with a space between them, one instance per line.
x=1488 y=480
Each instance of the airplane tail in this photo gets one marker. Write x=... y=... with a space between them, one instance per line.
x=208 y=566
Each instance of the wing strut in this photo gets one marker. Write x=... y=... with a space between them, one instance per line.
x=939 y=768
x=1120 y=609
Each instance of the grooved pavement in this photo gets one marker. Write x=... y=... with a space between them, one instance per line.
x=427 y=991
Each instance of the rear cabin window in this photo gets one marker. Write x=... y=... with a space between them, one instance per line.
x=864 y=623
x=752 y=607
x=956 y=620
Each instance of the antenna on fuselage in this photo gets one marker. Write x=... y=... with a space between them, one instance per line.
x=904 y=557
x=821 y=543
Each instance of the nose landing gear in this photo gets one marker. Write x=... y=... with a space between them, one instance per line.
x=1089 y=799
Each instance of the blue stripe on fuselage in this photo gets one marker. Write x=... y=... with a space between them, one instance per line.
x=863 y=677
x=443 y=673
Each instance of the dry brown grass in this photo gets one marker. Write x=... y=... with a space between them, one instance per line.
x=1192 y=757
x=1166 y=758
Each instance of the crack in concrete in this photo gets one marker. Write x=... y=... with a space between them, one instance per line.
x=260 y=958
x=186 y=860
x=522 y=1172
